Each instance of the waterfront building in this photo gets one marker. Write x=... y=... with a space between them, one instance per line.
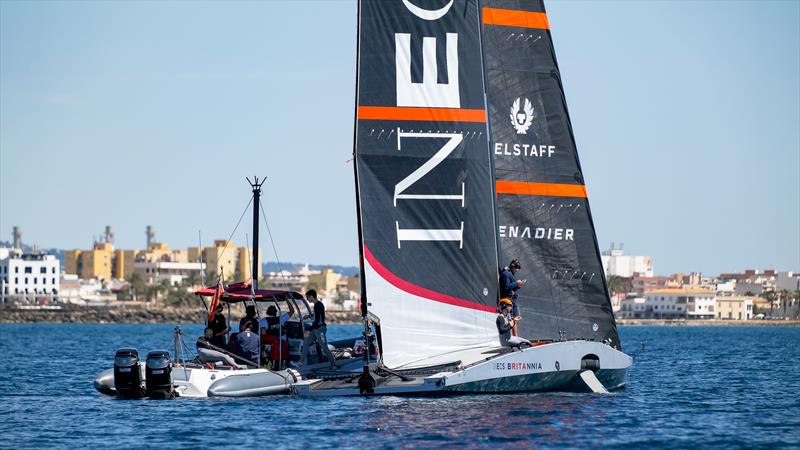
x=234 y=262
x=70 y=288
x=752 y=281
x=734 y=308
x=104 y=262
x=159 y=251
x=174 y=272
x=29 y=277
x=681 y=303
x=123 y=263
x=285 y=280
x=632 y=308
x=640 y=285
x=615 y=262
x=94 y=263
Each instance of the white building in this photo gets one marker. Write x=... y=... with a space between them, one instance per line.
x=632 y=308
x=726 y=288
x=173 y=272
x=285 y=280
x=28 y=277
x=680 y=303
x=621 y=265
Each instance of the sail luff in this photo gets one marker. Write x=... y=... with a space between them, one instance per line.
x=359 y=219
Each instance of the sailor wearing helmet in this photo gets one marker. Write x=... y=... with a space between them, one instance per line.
x=504 y=325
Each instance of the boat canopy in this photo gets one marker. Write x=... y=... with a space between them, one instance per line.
x=240 y=292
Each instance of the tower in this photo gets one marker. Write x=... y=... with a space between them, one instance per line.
x=16 y=232
x=150 y=232
x=109 y=234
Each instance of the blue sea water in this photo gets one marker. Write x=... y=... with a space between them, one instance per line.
x=691 y=387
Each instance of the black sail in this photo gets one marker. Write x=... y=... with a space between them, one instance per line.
x=543 y=211
x=424 y=177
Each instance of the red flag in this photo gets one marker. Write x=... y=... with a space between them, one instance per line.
x=215 y=300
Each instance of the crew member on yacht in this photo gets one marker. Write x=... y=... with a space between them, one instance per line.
x=208 y=354
x=248 y=345
x=250 y=317
x=273 y=333
x=317 y=332
x=505 y=324
x=509 y=285
x=272 y=322
x=219 y=327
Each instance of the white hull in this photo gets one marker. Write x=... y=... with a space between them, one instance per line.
x=549 y=367
x=202 y=382
x=555 y=366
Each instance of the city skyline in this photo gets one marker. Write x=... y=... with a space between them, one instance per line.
x=152 y=114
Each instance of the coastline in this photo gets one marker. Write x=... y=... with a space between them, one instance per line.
x=706 y=323
x=127 y=314
x=152 y=314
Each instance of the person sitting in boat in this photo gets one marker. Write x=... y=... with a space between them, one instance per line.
x=317 y=332
x=219 y=327
x=505 y=323
x=250 y=317
x=274 y=324
x=248 y=345
x=273 y=333
x=509 y=285
x=207 y=353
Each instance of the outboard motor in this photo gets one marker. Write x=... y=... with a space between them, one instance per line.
x=127 y=373
x=158 y=375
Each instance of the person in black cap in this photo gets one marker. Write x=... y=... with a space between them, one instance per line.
x=509 y=285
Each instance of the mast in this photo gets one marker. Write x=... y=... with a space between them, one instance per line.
x=256 y=203
x=366 y=383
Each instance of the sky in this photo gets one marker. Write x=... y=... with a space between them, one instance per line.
x=686 y=116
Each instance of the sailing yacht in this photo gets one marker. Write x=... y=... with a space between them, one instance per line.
x=465 y=159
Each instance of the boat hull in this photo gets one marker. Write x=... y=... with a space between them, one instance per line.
x=550 y=367
x=203 y=382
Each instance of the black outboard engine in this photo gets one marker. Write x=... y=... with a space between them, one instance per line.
x=158 y=375
x=127 y=373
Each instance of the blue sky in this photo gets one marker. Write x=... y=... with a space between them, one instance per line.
x=686 y=115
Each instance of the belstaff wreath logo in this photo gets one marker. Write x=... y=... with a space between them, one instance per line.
x=521 y=119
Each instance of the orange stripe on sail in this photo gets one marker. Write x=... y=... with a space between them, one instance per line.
x=423 y=114
x=543 y=189
x=514 y=18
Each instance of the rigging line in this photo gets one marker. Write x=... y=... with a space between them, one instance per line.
x=232 y=233
x=283 y=277
x=272 y=241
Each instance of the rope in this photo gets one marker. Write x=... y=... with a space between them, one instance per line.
x=232 y=233
x=280 y=269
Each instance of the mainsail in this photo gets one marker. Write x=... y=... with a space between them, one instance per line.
x=543 y=211
x=424 y=178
